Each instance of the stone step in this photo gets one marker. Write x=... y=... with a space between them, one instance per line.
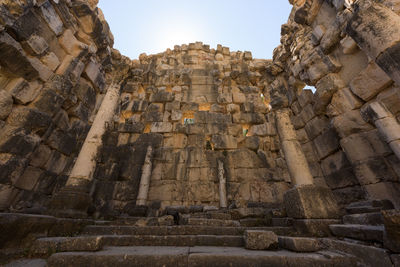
x=140 y=221
x=48 y=246
x=285 y=222
x=254 y=222
x=363 y=209
x=27 y=262
x=299 y=244
x=177 y=230
x=197 y=256
x=374 y=218
x=211 y=215
x=358 y=231
x=366 y=255
x=370 y=206
x=208 y=222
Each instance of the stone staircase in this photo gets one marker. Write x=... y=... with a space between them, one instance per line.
x=214 y=238
x=363 y=222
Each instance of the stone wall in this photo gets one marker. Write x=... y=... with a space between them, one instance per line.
x=349 y=127
x=54 y=56
x=194 y=105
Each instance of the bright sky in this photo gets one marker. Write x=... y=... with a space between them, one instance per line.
x=152 y=26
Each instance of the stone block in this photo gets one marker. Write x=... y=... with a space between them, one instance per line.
x=62 y=142
x=374 y=29
x=326 y=143
x=317 y=126
x=385 y=190
x=342 y=101
x=29 y=178
x=307 y=113
x=40 y=156
x=306 y=96
x=22 y=91
x=161 y=127
x=391 y=219
x=373 y=171
x=37 y=45
x=131 y=127
x=51 y=61
x=51 y=17
x=260 y=240
x=334 y=163
x=299 y=244
x=30 y=119
x=94 y=72
x=349 y=123
x=224 y=98
x=224 y=142
x=389 y=62
x=389 y=129
x=370 y=82
x=326 y=87
x=314 y=227
x=17 y=141
x=70 y=44
x=266 y=129
x=311 y=202
x=349 y=46
x=11 y=167
x=14 y=60
x=161 y=96
x=6 y=104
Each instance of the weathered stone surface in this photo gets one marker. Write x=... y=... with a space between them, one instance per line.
x=299 y=244
x=260 y=240
x=311 y=202
x=6 y=103
x=370 y=82
x=391 y=219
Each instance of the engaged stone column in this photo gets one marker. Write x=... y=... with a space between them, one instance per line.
x=313 y=208
x=222 y=185
x=73 y=200
x=145 y=178
x=296 y=161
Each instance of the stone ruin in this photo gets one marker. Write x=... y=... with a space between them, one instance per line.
x=200 y=156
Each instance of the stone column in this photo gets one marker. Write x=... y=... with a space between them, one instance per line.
x=296 y=161
x=222 y=185
x=74 y=199
x=145 y=178
x=312 y=207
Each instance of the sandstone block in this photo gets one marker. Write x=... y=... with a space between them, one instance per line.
x=342 y=101
x=6 y=104
x=37 y=45
x=326 y=143
x=349 y=123
x=51 y=61
x=29 y=178
x=299 y=244
x=260 y=240
x=161 y=127
x=51 y=17
x=391 y=220
x=370 y=82
x=326 y=87
x=70 y=44
x=224 y=142
x=311 y=202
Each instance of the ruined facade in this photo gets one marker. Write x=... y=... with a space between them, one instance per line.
x=201 y=141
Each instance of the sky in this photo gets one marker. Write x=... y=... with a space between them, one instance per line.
x=152 y=26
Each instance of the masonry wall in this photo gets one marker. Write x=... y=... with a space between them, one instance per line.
x=347 y=149
x=53 y=61
x=220 y=92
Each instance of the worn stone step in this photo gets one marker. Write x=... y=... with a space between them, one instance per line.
x=285 y=222
x=299 y=244
x=140 y=221
x=369 y=206
x=174 y=240
x=177 y=230
x=374 y=218
x=48 y=246
x=358 y=231
x=27 y=262
x=363 y=209
x=208 y=222
x=211 y=215
x=366 y=255
x=383 y=203
x=254 y=222
x=197 y=256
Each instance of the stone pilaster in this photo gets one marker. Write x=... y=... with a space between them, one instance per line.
x=222 y=185
x=145 y=178
x=73 y=200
